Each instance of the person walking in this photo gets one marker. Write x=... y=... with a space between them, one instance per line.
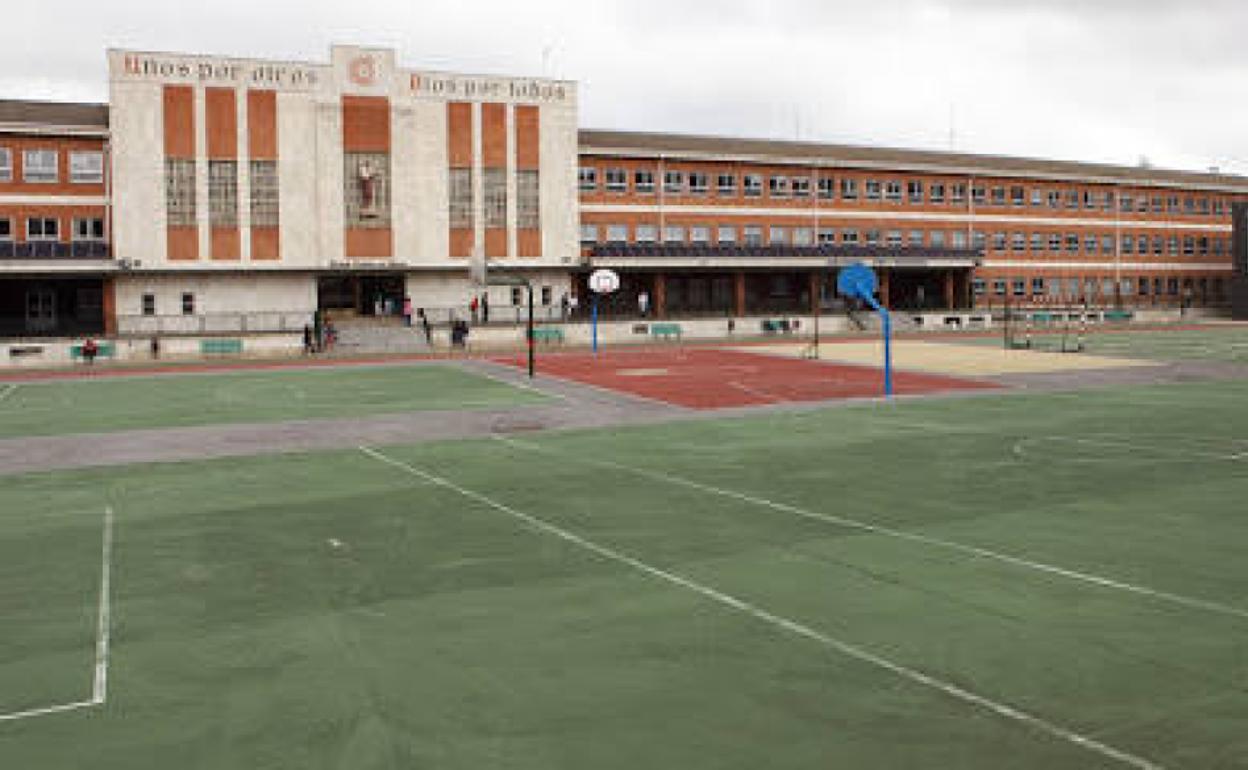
x=643 y=303
x=424 y=326
x=564 y=306
x=474 y=308
x=485 y=308
x=407 y=312
x=308 y=347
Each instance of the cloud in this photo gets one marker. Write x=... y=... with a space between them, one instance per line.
x=1109 y=80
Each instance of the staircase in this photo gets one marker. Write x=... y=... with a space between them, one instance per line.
x=368 y=336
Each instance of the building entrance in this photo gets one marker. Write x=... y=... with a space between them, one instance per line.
x=51 y=308
x=361 y=295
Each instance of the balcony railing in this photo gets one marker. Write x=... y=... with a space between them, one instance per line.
x=744 y=251
x=55 y=250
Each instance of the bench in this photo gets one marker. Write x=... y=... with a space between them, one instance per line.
x=223 y=347
x=548 y=335
x=665 y=331
x=23 y=351
x=771 y=327
x=1119 y=316
x=102 y=350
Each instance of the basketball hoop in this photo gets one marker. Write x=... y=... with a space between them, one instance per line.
x=604 y=281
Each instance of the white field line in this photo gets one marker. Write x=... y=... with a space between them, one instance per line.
x=877 y=529
x=99 y=689
x=99 y=686
x=483 y=371
x=755 y=392
x=15 y=716
x=1020 y=447
x=8 y=390
x=784 y=624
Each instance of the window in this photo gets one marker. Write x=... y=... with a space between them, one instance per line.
x=1037 y=196
x=528 y=199
x=753 y=184
x=265 y=204
x=727 y=184
x=873 y=190
x=915 y=239
x=674 y=182
x=617 y=233
x=1089 y=199
x=89 y=229
x=803 y=236
x=1037 y=241
x=1018 y=196
x=1037 y=286
x=979 y=287
x=892 y=239
x=753 y=235
x=801 y=187
x=938 y=239
x=998 y=196
x=1172 y=245
x=43 y=229
x=778 y=186
x=778 y=236
x=1158 y=245
x=1018 y=241
x=1090 y=242
x=494 y=182
x=957 y=193
x=827 y=188
x=873 y=237
x=936 y=193
x=587 y=179
x=978 y=241
x=1107 y=244
x=39 y=166
x=978 y=195
x=646 y=233
x=149 y=304
x=617 y=180
x=849 y=237
x=6 y=164
x=959 y=239
x=700 y=234
x=726 y=235
x=589 y=233
x=547 y=296
x=1055 y=199
x=998 y=241
x=1143 y=284
x=460 y=206
x=1055 y=242
x=674 y=234
x=1189 y=246
x=914 y=191
x=86 y=167
x=1126 y=203
x=849 y=189
x=1072 y=243
x=998 y=287
x=180 y=192
x=827 y=236
x=892 y=191
x=6 y=229
x=643 y=182
x=1172 y=204
x=699 y=183
x=1072 y=199
x=1128 y=244
x=1020 y=287
x=517 y=296
x=188 y=303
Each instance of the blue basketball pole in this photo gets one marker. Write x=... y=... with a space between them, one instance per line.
x=593 y=323
x=858 y=281
x=887 y=323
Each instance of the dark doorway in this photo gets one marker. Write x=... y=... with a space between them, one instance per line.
x=34 y=307
x=361 y=295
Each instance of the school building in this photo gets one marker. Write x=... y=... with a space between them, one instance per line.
x=220 y=195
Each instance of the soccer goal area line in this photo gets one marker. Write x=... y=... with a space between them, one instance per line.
x=103 y=622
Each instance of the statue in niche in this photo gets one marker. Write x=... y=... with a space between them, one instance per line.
x=368 y=189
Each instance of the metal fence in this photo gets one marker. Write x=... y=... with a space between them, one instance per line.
x=212 y=323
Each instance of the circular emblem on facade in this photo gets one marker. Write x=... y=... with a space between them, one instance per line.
x=362 y=70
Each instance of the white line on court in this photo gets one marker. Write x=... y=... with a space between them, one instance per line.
x=99 y=689
x=99 y=686
x=755 y=392
x=791 y=626
x=483 y=371
x=1083 y=577
x=8 y=390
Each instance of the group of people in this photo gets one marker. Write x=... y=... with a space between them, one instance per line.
x=320 y=335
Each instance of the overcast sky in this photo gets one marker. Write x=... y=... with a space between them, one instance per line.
x=1104 y=80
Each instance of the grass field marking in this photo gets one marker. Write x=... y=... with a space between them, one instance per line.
x=18 y=715
x=99 y=688
x=755 y=392
x=1020 y=448
x=784 y=624
x=483 y=371
x=8 y=390
x=952 y=545
x=99 y=683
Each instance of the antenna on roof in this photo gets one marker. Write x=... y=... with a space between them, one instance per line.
x=1145 y=162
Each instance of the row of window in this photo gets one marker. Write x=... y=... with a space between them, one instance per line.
x=180 y=195
x=42 y=166
x=616 y=180
x=148 y=304
x=49 y=229
x=756 y=235
x=1090 y=288
x=494 y=189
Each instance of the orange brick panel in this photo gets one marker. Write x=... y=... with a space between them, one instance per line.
x=369 y=243
x=528 y=137
x=529 y=243
x=459 y=134
x=225 y=244
x=461 y=242
x=265 y=243
x=365 y=124
x=493 y=135
x=496 y=242
x=221 y=117
x=183 y=243
x=262 y=125
x=179 y=112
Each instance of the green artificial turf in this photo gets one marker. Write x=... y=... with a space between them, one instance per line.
x=125 y=403
x=334 y=611
x=1228 y=344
